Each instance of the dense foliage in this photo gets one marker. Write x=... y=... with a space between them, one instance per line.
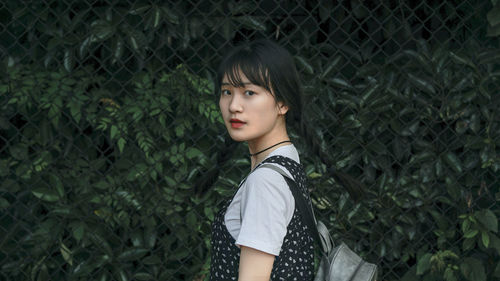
x=100 y=186
x=113 y=158
x=110 y=188
x=425 y=142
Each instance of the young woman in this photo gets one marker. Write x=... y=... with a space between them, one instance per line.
x=259 y=234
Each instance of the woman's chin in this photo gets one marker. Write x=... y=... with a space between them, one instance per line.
x=237 y=137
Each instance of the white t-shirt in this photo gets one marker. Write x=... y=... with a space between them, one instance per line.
x=263 y=207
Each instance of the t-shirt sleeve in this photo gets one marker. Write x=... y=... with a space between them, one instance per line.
x=267 y=207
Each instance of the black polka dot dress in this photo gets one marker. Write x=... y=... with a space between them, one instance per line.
x=296 y=258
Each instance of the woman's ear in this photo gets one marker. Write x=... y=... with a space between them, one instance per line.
x=282 y=108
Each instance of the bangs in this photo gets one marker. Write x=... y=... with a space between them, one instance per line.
x=248 y=65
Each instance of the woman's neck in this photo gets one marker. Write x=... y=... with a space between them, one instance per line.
x=254 y=148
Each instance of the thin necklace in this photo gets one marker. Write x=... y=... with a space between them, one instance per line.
x=269 y=147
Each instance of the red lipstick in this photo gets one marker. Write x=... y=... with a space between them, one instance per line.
x=236 y=123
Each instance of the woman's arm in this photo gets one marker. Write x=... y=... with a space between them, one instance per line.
x=255 y=265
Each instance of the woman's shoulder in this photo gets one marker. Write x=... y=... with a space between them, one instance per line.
x=288 y=151
x=265 y=184
x=263 y=175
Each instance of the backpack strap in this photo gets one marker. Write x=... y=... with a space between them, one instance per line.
x=317 y=229
x=304 y=209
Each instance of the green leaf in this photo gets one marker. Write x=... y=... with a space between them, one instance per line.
x=78 y=231
x=100 y=243
x=192 y=152
x=341 y=83
x=228 y=29
x=46 y=194
x=468 y=244
x=121 y=144
x=10 y=61
x=475 y=123
x=495 y=242
x=473 y=269
x=452 y=160
x=485 y=238
x=332 y=65
x=101 y=260
x=209 y=213
x=137 y=39
x=488 y=219
x=449 y=274
x=438 y=166
x=48 y=58
x=150 y=233
x=153 y=259
x=368 y=94
x=191 y=220
x=117 y=49
x=82 y=269
x=493 y=31
x=411 y=275
x=196 y=27
x=132 y=254
x=471 y=233
x=137 y=238
x=156 y=16
x=66 y=253
x=134 y=42
x=474 y=142
x=462 y=60
x=497 y=271
x=18 y=151
x=465 y=225
x=139 y=10
x=351 y=122
x=69 y=60
x=102 y=29
x=114 y=131
x=4 y=204
x=122 y=275
x=170 y=15
x=43 y=274
x=186 y=40
x=424 y=264
x=251 y=23
x=242 y=8
x=305 y=64
x=493 y=15
x=143 y=276
x=421 y=83
x=57 y=184
x=84 y=47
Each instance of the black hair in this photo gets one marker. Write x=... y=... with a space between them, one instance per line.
x=268 y=65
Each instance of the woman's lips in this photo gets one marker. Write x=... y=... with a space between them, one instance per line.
x=236 y=123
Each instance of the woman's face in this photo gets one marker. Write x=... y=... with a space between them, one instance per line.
x=249 y=112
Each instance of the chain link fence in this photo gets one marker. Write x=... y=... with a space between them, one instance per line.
x=113 y=157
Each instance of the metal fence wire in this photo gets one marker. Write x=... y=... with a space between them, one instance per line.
x=114 y=160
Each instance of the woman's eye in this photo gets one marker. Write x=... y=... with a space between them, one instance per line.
x=225 y=92
x=249 y=93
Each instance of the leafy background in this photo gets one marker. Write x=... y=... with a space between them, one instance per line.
x=113 y=157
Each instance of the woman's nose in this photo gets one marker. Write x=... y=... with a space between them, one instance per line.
x=235 y=104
